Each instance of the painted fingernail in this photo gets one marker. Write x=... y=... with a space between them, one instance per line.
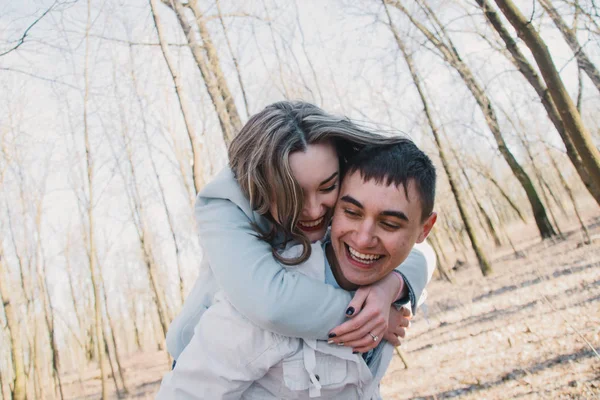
x=350 y=311
x=340 y=344
x=355 y=352
x=330 y=342
x=332 y=335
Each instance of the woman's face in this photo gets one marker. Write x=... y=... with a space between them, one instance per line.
x=317 y=172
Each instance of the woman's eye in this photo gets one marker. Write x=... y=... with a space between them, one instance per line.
x=329 y=189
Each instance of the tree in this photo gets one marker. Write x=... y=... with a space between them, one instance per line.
x=484 y=264
x=195 y=144
x=16 y=346
x=92 y=259
x=449 y=53
x=583 y=61
x=574 y=126
x=208 y=63
x=530 y=74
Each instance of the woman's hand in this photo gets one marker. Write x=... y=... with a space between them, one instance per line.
x=369 y=313
x=399 y=321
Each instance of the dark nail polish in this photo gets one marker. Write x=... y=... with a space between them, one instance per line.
x=350 y=311
x=355 y=352
x=332 y=335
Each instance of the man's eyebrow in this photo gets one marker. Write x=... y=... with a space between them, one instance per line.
x=397 y=214
x=351 y=200
x=330 y=178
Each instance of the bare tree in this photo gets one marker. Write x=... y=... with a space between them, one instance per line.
x=574 y=126
x=16 y=345
x=449 y=53
x=94 y=272
x=138 y=219
x=484 y=264
x=530 y=74
x=195 y=143
x=229 y=123
x=233 y=57
x=570 y=36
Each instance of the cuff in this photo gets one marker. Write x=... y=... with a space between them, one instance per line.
x=409 y=297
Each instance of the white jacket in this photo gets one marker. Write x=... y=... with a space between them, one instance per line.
x=231 y=358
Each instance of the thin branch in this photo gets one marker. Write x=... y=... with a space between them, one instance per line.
x=22 y=39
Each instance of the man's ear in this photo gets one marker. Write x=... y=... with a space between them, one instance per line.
x=427 y=225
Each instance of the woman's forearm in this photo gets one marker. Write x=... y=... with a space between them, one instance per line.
x=417 y=271
x=277 y=300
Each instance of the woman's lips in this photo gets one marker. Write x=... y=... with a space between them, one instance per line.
x=311 y=226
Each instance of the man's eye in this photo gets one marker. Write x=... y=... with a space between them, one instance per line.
x=350 y=212
x=329 y=189
x=390 y=226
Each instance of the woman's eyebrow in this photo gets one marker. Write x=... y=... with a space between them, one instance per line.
x=330 y=178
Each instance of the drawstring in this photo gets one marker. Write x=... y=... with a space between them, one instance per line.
x=310 y=363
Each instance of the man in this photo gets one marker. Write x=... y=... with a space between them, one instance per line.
x=385 y=207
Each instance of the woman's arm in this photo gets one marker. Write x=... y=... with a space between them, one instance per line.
x=276 y=300
x=417 y=271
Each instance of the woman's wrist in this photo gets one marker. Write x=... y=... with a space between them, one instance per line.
x=402 y=289
x=392 y=286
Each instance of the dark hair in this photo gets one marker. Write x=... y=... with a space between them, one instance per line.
x=259 y=154
x=398 y=164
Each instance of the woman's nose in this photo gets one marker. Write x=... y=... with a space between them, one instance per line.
x=312 y=208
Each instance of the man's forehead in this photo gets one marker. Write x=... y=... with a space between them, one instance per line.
x=356 y=183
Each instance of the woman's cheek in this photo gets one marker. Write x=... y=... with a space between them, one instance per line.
x=331 y=199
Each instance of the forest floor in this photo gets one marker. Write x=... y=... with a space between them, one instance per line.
x=527 y=331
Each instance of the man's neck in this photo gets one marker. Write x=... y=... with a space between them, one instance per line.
x=337 y=272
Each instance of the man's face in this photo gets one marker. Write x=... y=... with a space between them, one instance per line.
x=374 y=228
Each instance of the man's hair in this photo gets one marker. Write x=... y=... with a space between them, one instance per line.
x=398 y=164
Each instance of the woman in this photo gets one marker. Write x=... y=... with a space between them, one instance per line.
x=252 y=209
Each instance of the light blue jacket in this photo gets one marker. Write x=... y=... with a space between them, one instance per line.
x=275 y=299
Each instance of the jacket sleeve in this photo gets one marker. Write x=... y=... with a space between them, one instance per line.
x=280 y=301
x=417 y=271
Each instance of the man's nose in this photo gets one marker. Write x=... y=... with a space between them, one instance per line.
x=365 y=237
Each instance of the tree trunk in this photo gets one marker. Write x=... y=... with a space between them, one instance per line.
x=570 y=36
x=18 y=391
x=567 y=187
x=161 y=190
x=210 y=82
x=94 y=274
x=48 y=310
x=484 y=264
x=574 y=126
x=441 y=258
x=184 y=105
x=111 y=327
x=233 y=57
x=530 y=74
x=450 y=54
x=215 y=66
x=137 y=217
x=488 y=220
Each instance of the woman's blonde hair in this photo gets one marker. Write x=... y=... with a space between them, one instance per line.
x=259 y=159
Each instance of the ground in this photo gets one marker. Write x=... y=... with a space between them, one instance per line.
x=531 y=330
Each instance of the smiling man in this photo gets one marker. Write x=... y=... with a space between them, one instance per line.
x=385 y=206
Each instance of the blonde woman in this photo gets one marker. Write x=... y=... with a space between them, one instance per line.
x=256 y=206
